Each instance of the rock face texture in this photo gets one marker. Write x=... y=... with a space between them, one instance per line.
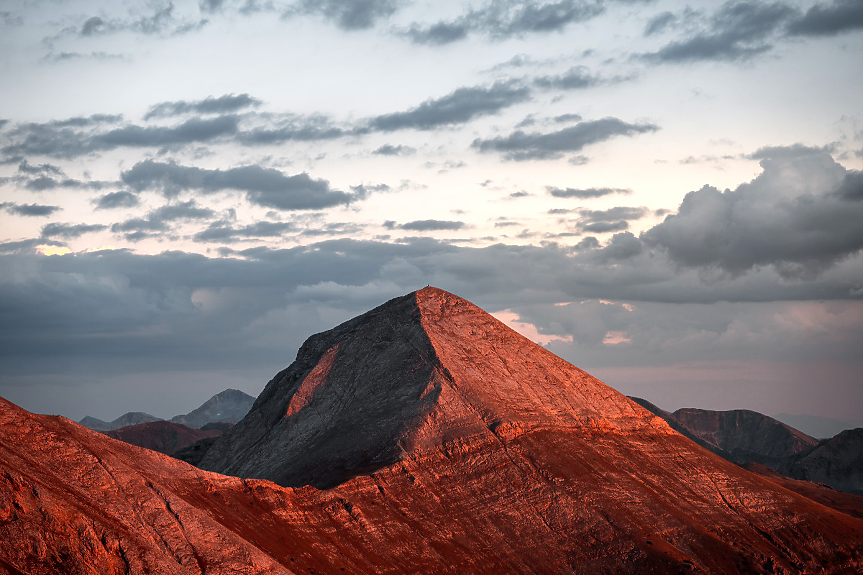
x=228 y=406
x=130 y=418
x=162 y=436
x=450 y=445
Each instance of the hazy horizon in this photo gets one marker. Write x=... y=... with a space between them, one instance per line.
x=666 y=194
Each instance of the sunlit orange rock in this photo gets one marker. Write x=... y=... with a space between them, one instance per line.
x=448 y=443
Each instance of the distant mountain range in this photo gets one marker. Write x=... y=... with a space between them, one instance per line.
x=130 y=418
x=228 y=406
x=742 y=437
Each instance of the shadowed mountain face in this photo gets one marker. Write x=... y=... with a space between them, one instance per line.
x=162 y=436
x=837 y=462
x=228 y=406
x=452 y=445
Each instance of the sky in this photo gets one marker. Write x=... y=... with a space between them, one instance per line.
x=667 y=194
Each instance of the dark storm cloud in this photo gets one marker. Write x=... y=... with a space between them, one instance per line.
x=112 y=200
x=459 y=107
x=828 y=19
x=390 y=150
x=69 y=231
x=221 y=105
x=522 y=146
x=425 y=225
x=348 y=14
x=34 y=210
x=262 y=186
x=738 y=30
x=502 y=19
x=585 y=193
x=795 y=216
x=70 y=139
x=225 y=232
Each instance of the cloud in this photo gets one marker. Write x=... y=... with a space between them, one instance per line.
x=112 y=200
x=459 y=107
x=222 y=105
x=34 y=210
x=63 y=140
x=585 y=193
x=426 y=225
x=576 y=78
x=522 y=146
x=438 y=34
x=158 y=220
x=296 y=128
x=262 y=186
x=348 y=14
x=659 y=23
x=390 y=150
x=225 y=232
x=738 y=30
x=502 y=19
x=69 y=231
x=829 y=19
x=211 y=6
x=798 y=216
x=160 y=21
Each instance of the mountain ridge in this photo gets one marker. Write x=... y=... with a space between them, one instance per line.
x=471 y=450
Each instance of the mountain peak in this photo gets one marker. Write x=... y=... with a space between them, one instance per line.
x=415 y=373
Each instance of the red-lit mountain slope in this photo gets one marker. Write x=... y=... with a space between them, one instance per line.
x=453 y=445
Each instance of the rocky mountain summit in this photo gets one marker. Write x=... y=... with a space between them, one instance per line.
x=229 y=406
x=445 y=443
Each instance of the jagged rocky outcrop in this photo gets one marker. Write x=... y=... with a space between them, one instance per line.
x=162 y=436
x=130 y=418
x=228 y=406
x=453 y=446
